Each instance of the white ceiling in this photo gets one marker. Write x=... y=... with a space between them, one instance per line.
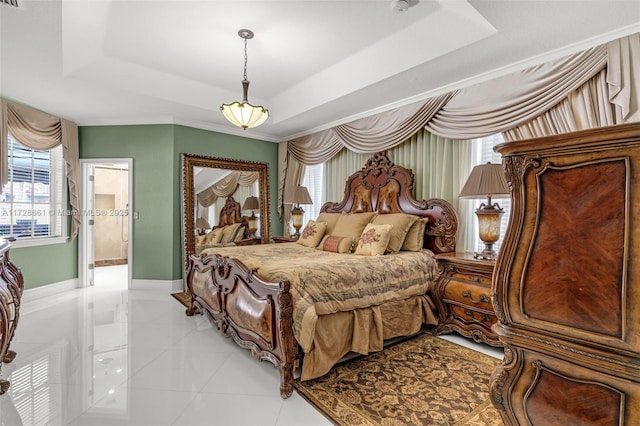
x=313 y=64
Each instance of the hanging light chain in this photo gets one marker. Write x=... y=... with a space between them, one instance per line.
x=245 y=58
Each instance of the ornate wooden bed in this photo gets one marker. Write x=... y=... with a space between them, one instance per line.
x=259 y=313
x=11 y=288
x=230 y=214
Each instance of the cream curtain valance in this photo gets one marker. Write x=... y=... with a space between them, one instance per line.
x=367 y=135
x=488 y=108
x=503 y=103
x=226 y=187
x=40 y=131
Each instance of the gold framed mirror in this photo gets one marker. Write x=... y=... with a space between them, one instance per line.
x=197 y=168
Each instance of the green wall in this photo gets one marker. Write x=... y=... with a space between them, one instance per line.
x=151 y=148
x=157 y=233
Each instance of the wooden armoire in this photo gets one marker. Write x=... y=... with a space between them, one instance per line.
x=566 y=286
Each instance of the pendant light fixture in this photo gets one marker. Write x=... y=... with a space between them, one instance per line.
x=243 y=114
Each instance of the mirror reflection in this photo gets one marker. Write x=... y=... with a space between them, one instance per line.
x=220 y=192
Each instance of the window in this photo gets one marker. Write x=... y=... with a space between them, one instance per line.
x=485 y=154
x=32 y=203
x=313 y=178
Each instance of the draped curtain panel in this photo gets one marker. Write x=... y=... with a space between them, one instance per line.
x=40 y=131
x=585 y=108
x=596 y=87
x=491 y=107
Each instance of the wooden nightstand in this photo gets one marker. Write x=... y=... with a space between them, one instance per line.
x=463 y=297
x=284 y=239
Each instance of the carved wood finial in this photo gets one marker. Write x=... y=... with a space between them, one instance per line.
x=378 y=163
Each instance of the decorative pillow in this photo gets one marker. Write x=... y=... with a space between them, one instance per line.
x=351 y=225
x=239 y=234
x=415 y=236
x=401 y=223
x=330 y=219
x=229 y=232
x=336 y=244
x=200 y=239
x=214 y=236
x=312 y=233
x=374 y=240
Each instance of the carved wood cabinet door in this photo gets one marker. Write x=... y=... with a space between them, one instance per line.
x=567 y=281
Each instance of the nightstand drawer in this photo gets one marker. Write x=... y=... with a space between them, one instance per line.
x=468 y=315
x=468 y=294
x=472 y=278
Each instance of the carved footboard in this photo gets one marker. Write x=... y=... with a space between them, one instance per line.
x=11 y=288
x=256 y=313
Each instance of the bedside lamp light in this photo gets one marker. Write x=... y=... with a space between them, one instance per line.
x=202 y=225
x=299 y=196
x=252 y=203
x=487 y=180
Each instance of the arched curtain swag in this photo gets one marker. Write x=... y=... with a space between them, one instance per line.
x=40 y=131
x=488 y=108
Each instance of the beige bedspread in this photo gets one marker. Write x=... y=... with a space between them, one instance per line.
x=324 y=283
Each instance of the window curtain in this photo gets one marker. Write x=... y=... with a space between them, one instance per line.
x=555 y=97
x=585 y=108
x=440 y=167
x=40 y=131
x=491 y=107
x=225 y=187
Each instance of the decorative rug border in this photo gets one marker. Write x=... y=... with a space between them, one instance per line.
x=345 y=398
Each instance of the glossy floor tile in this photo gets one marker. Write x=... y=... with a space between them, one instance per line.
x=106 y=355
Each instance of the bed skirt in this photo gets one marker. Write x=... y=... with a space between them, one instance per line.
x=362 y=331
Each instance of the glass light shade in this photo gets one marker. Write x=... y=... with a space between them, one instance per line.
x=244 y=114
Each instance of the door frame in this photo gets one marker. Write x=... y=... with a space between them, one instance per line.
x=85 y=215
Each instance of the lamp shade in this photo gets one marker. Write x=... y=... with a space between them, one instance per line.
x=201 y=223
x=251 y=203
x=300 y=195
x=244 y=114
x=486 y=181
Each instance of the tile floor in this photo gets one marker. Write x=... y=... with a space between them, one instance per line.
x=108 y=356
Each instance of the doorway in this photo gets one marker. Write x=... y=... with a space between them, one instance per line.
x=105 y=238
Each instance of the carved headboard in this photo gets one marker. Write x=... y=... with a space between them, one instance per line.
x=386 y=188
x=230 y=214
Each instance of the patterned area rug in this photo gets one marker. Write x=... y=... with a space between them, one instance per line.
x=422 y=381
x=182 y=297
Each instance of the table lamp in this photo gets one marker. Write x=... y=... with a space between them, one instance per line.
x=202 y=225
x=300 y=195
x=252 y=203
x=487 y=180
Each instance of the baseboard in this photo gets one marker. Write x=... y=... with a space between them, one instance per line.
x=43 y=297
x=163 y=285
x=33 y=294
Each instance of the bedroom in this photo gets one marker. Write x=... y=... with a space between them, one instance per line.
x=157 y=255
